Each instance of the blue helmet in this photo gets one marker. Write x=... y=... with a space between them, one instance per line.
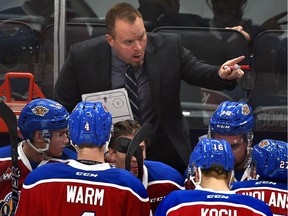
x=42 y=114
x=270 y=157
x=90 y=123
x=209 y=153
x=232 y=118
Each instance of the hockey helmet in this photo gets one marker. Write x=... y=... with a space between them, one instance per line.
x=209 y=153
x=270 y=157
x=90 y=123
x=42 y=115
x=232 y=118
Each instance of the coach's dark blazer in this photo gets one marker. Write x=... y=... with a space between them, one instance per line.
x=88 y=69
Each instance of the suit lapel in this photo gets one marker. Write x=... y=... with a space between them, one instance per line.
x=153 y=73
x=104 y=66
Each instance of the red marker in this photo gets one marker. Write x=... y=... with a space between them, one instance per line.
x=242 y=67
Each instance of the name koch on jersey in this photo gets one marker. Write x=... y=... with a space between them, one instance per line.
x=213 y=209
x=205 y=202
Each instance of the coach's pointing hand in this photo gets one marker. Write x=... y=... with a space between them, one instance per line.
x=227 y=73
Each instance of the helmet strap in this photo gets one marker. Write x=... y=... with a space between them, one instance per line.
x=231 y=179
x=248 y=156
x=250 y=137
x=192 y=177
x=253 y=171
x=46 y=138
x=40 y=151
x=74 y=146
x=209 y=133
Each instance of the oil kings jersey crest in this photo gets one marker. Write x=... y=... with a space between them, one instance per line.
x=24 y=168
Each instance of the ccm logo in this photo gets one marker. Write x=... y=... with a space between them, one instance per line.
x=157 y=199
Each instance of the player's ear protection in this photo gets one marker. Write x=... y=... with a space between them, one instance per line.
x=46 y=136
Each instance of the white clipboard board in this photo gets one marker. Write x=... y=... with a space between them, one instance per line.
x=116 y=101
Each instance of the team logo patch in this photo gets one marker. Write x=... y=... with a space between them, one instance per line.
x=245 y=109
x=6 y=205
x=40 y=110
x=7 y=175
x=263 y=143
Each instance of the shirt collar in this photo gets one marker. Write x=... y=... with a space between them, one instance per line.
x=117 y=61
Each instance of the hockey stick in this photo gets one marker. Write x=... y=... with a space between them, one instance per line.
x=133 y=149
x=122 y=144
x=10 y=120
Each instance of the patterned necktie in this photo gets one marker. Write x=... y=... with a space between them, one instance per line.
x=132 y=90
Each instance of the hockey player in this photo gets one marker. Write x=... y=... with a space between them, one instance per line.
x=43 y=125
x=158 y=178
x=234 y=122
x=269 y=174
x=88 y=185
x=212 y=165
